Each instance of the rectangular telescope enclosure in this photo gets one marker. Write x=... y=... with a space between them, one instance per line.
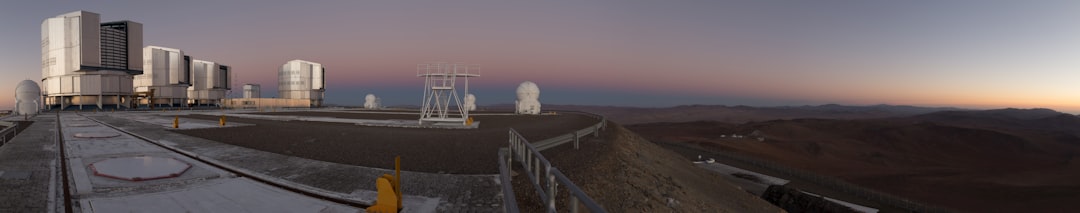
x=85 y=63
x=252 y=91
x=167 y=74
x=209 y=83
x=299 y=79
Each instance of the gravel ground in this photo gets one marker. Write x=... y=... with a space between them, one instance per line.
x=423 y=150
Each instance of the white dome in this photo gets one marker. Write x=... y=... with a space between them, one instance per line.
x=470 y=102
x=528 y=101
x=371 y=102
x=27 y=98
x=528 y=90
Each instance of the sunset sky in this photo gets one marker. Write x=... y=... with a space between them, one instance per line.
x=972 y=54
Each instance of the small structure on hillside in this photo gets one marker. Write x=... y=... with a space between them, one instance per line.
x=758 y=135
x=372 y=102
x=528 y=98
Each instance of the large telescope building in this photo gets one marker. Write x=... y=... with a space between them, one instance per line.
x=210 y=82
x=86 y=63
x=166 y=77
x=299 y=79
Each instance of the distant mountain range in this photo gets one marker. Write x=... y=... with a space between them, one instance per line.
x=743 y=114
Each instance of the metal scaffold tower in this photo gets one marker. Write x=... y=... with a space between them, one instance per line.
x=440 y=91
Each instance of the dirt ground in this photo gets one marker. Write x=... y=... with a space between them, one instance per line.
x=626 y=173
x=472 y=151
x=958 y=167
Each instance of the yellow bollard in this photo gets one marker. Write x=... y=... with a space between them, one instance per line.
x=222 y=120
x=176 y=122
x=468 y=122
x=388 y=188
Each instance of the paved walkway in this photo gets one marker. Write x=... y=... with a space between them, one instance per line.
x=28 y=174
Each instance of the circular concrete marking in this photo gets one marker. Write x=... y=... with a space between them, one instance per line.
x=96 y=134
x=80 y=124
x=140 y=168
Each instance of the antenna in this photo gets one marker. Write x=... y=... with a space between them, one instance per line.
x=440 y=90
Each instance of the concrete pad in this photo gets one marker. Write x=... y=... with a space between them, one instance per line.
x=139 y=168
x=228 y=195
x=96 y=134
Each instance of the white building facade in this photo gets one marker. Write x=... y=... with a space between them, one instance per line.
x=299 y=79
x=86 y=63
x=166 y=76
x=252 y=91
x=209 y=83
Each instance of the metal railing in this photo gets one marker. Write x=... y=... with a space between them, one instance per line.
x=538 y=168
x=573 y=136
x=9 y=132
x=509 y=201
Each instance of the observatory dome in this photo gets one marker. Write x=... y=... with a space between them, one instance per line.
x=27 y=98
x=470 y=102
x=528 y=101
x=371 y=102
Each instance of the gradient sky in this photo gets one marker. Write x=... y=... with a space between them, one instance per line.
x=974 y=54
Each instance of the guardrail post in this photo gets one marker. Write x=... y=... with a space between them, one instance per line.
x=573 y=204
x=536 y=165
x=576 y=146
x=551 y=189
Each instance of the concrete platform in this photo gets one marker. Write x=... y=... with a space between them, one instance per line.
x=228 y=195
x=199 y=188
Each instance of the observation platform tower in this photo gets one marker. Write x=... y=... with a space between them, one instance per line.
x=441 y=91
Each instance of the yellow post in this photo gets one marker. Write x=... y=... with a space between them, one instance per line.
x=222 y=120
x=176 y=122
x=468 y=122
x=397 y=179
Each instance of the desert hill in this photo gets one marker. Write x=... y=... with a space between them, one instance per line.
x=1012 y=160
x=626 y=173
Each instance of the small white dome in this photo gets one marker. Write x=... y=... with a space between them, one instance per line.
x=27 y=98
x=528 y=90
x=372 y=102
x=470 y=102
x=528 y=101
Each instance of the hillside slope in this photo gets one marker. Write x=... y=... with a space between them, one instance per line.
x=995 y=160
x=626 y=173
